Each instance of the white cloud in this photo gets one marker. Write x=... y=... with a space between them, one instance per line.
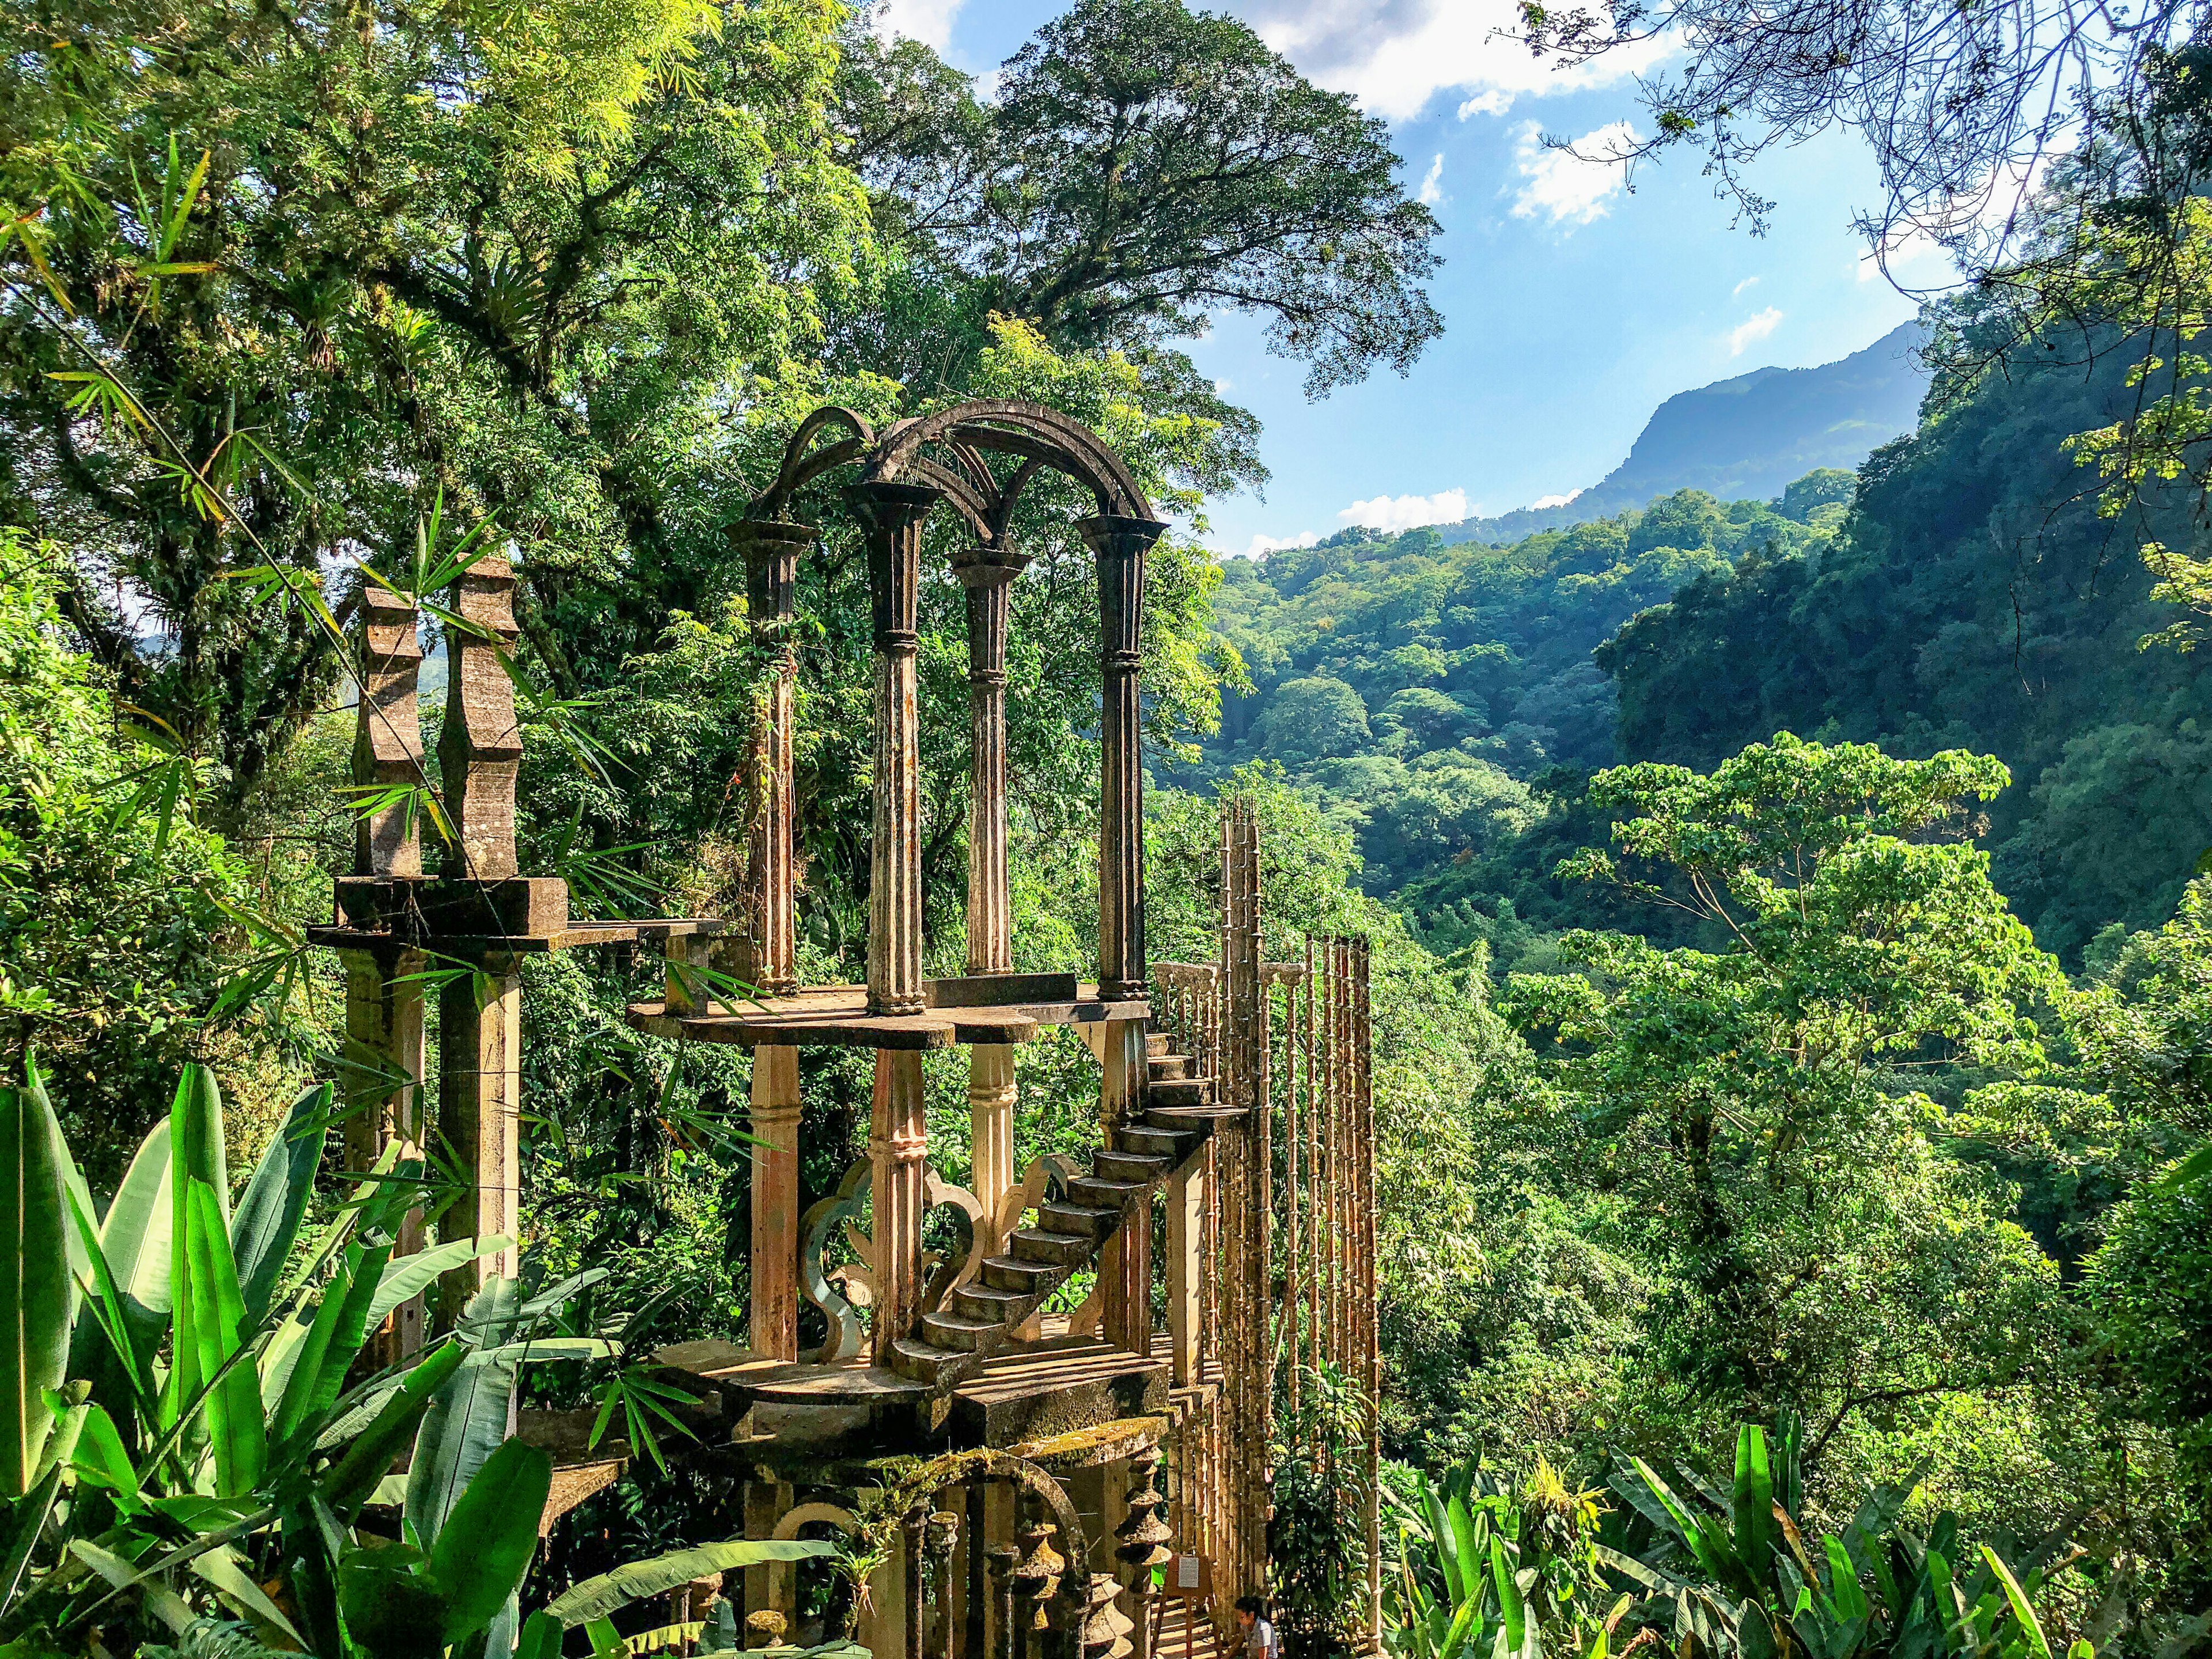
x=929 y=22
x=1736 y=293
x=1394 y=56
x=1262 y=545
x=1432 y=187
x=1572 y=186
x=1553 y=501
x=1753 y=328
x=1396 y=513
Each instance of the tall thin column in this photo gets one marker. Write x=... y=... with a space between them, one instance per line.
x=384 y=992
x=774 y=1265
x=1125 y=1264
x=479 y=1108
x=765 y=946
x=988 y=574
x=897 y=1148
x=1121 y=545
x=384 y=1051
x=893 y=513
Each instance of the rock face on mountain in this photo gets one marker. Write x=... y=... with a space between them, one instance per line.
x=1747 y=438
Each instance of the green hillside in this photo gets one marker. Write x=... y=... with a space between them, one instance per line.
x=1446 y=700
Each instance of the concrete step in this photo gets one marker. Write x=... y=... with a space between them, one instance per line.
x=1174 y=1145
x=940 y=1367
x=989 y=1304
x=1023 y=1273
x=1156 y=1042
x=1202 y=1118
x=1084 y=1220
x=944 y=1330
x=1164 y=1066
x=1101 y=1192
x=1056 y=1250
x=1181 y=1092
x=1138 y=1168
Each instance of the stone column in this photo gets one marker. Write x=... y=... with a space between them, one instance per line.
x=480 y=744
x=479 y=1104
x=1185 y=1265
x=897 y=1149
x=988 y=574
x=1120 y=544
x=388 y=744
x=1125 y=1263
x=774 y=1266
x=384 y=998
x=384 y=1054
x=893 y=513
x=766 y=947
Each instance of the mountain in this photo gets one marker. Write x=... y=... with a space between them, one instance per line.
x=1748 y=438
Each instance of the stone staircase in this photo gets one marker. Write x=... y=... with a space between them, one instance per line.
x=980 y=1317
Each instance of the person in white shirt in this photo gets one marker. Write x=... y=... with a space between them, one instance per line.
x=1259 y=1630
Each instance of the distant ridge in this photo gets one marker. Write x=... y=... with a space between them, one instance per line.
x=1748 y=438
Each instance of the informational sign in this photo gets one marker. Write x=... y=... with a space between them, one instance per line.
x=1189 y=1577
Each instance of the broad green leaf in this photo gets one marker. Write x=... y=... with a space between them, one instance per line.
x=357 y=1473
x=1466 y=1545
x=1843 y=1588
x=2018 y=1599
x=34 y=1286
x=409 y=1275
x=100 y=1460
x=460 y=1433
x=237 y=1428
x=540 y=1638
x=1753 y=1503
x=275 y=1199
x=1512 y=1612
x=80 y=1254
x=225 y=1569
x=341 y=1325
x=163 y=1603
x=484 y=1550
x=597 y=1598
x=135 y=1236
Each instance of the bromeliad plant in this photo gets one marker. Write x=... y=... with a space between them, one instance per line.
x=187 y=1438
x=1735 y=1576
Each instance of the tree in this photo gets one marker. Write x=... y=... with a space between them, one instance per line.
x=1308 y=719
x=1141 y=166
x=1755 y=1103
x=276 y=280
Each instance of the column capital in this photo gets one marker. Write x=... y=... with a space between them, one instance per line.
x=885 y=506
x=1111 y=535
x=979 y=565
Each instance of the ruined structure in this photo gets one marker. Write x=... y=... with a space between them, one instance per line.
x=1026 y=1473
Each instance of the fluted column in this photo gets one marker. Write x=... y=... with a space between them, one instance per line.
x=767 y=946
x=893 y=513
x=988 y=574
x=1121 y=545
x=897 y=1149
x=773 y=1267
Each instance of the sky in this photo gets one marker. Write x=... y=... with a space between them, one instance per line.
x=1575 y=299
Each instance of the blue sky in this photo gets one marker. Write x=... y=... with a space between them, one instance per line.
x=1573 y=305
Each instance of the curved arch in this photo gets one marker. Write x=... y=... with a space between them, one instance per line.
x=800 y=468
x=1029 y=430
x=807 y=1515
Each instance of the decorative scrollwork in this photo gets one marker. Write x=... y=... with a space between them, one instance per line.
x=840 y=1293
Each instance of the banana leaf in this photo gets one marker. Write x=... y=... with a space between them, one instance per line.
x=34 y=1283
x=134 y=1234
x=1752 y=1506
x=599 y=1597
x=2016 y=1598
x=490 y=1533
x=356 y=1474
x=275 y=1199
x=210 y=1315
x=318 y=1370
x=463 y=1428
